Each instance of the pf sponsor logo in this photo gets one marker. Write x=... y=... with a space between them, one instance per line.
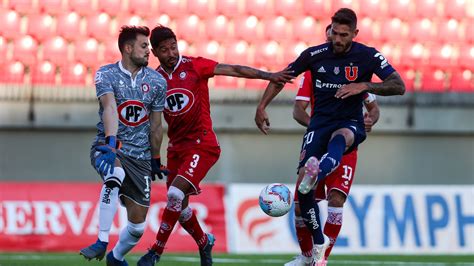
x=132 y=113
x=254 y=222
x=178 y=101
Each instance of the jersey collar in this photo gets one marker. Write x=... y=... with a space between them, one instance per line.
x=170 y=76
x=128 y=73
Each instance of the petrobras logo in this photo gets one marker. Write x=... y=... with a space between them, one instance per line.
x=254 y=223
x=320 y=85
x=178 y=101
x=132 y=113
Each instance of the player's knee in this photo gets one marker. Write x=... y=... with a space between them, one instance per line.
x=136 y=230
x=115 y=179
x=175 y=199
x=336 y=198
x=185 y=215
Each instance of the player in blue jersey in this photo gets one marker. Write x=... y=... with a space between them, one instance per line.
x=341 y=71
x=126 y=149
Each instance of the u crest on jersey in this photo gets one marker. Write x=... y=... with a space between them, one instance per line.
x=351 y=72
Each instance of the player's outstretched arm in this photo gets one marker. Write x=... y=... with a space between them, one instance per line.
x=281 y=77
x=261 y=116
x=300 y=114
x=392 y=85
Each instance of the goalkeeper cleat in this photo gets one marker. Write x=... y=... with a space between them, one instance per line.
x=94 y=251
x=311 y=171
x=299 y=260
x=149 y=259
x=112 y=261
x=319 y=251
x=205 y=252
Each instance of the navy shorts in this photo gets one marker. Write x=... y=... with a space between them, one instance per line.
x=316 y=140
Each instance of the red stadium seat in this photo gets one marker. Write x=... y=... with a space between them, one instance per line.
x=40 y=26
x=173 y=8
x=82 y=7
x=402 y=9
x=3 y=50
x=448 y=31
x=228 y=8
x=287 y=8
x=237 y=52
x=226 y=82
x=69 y=26
x=389 y=52
x=255 y=84
x=456 y=9
x=55 y=50
x=268 y=53
x=442 y=56
x=23 y=6
x=275 y=28
x=433 y=80
x=43 y=73
x=201 y=8
x=371 y=8
x=426 y=8
x=462 y=81
x=111 y=7
x=143 y=8
x=259 y=8
x=99 y=26
x=468 y=32
x=13 y=72
x=112 y=52
x=25 y=50
x=392 y=30
x=337 y=4
x=127 y=20
x=218 y=28
x=11 y=24
x=366 y=31
x=211 y=50
x=291 y=50
x=466 y=56
x=52 y=7
x=189 y=28
x=413 y=55
x=421 y=30
x=73 y=74
x=246 y=28
x=317 y=9
x=306 y=29
x=86 y=51
x=158 y=20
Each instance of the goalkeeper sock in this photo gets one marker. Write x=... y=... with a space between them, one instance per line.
x=330 y=161
x=129 y=237
x=107 y=209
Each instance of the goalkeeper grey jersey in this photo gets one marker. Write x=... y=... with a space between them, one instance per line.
x=136 y=99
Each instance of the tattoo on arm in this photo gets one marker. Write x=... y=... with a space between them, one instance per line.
x=250 y=72
x=392 y=85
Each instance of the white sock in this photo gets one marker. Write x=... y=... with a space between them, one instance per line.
x=107 y=209
x=129 y=237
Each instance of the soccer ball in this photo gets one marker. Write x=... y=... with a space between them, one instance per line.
x=275 y=200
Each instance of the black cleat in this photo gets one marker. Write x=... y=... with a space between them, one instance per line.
x=206 y=251
x=94 y=251
x=149 y=259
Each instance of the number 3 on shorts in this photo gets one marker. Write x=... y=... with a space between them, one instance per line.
x=195 y=161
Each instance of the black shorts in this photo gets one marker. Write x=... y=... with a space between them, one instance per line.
x=137 y=182
x=315 y=141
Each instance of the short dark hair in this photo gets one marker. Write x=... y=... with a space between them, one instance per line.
x=345 y=16
x=128 y=34
x=159 y=34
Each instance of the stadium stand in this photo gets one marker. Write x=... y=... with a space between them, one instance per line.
x=424 y=37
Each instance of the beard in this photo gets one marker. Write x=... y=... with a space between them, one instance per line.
x=140 y=61
x=340 y=48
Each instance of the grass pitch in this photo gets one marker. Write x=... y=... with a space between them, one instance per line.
x=72 y=259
